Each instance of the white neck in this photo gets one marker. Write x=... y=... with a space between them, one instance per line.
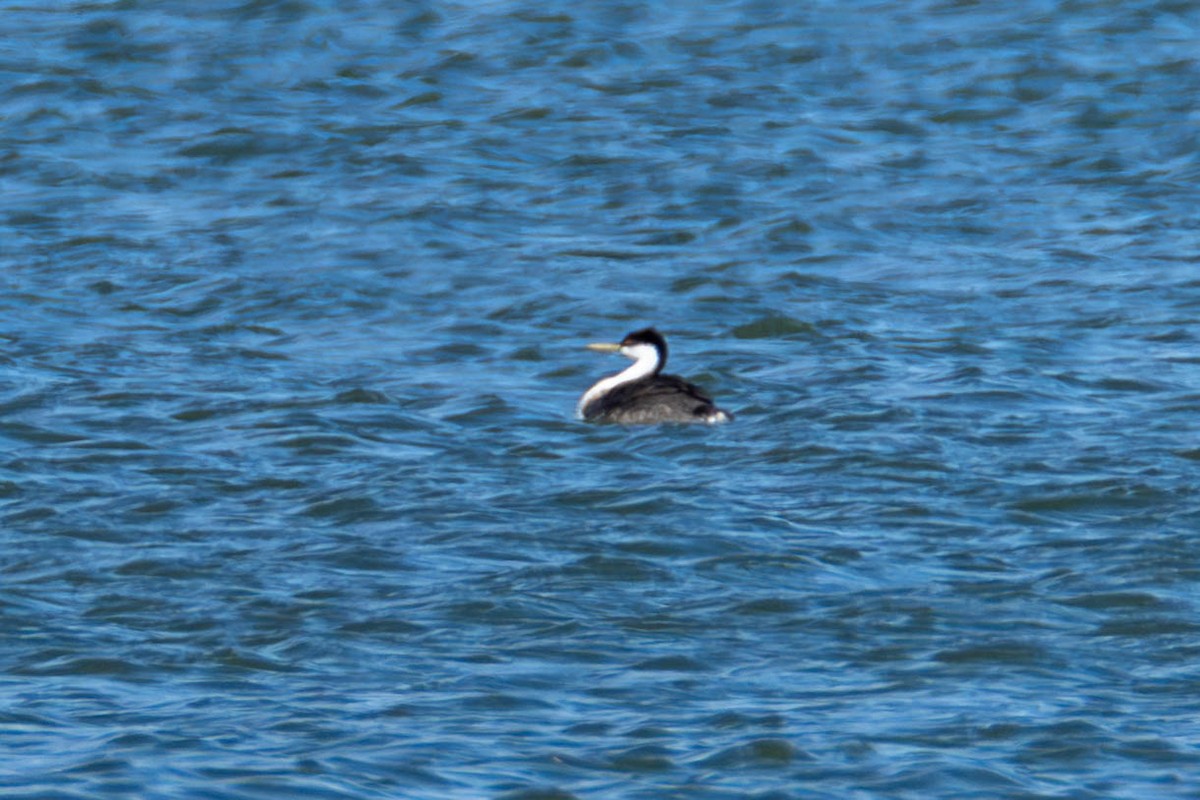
x=645 y=363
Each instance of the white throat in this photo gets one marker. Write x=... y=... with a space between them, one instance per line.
x=645 y=362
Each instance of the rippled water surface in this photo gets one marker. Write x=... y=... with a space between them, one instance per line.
x=292 y=300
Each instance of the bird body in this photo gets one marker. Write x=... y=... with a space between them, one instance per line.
x=641 y=394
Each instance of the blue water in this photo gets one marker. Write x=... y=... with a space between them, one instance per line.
x=292 y=304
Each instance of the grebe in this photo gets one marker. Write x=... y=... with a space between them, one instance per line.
x=641 y=393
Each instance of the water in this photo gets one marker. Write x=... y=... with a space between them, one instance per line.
x=292 y=300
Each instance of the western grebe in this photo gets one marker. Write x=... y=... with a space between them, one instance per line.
x=641 y=393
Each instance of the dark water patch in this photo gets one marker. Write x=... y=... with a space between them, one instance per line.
x=1100 y=498
x=760 y=753
x=643 y=758
x=774 y=327
x=83 y=666
x=631 y=570
x=539 y=793
x=769 y=606
x=998 y=653
x=1115 y=600
x=670 y=664
x=346 y=509
x=1148 y=627
x=607 y=255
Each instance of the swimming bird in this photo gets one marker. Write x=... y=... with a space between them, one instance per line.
x=641 y=393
